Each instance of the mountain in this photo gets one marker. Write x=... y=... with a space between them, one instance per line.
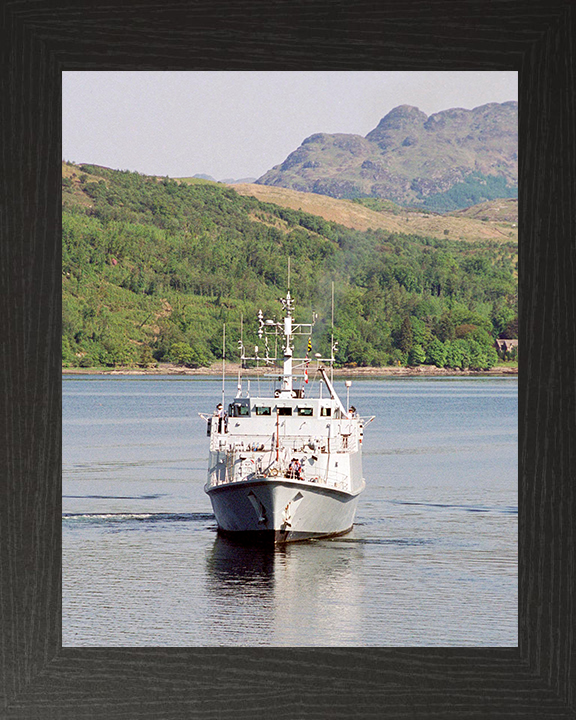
x=447 y=161
x=232 y=181
x=227 y=181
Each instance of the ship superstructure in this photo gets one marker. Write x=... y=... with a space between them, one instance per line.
x=284 y=466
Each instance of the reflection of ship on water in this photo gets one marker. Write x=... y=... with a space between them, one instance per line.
x=285 y=595
x=233 y=562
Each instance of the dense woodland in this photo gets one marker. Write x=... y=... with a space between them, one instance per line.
x=152 y=269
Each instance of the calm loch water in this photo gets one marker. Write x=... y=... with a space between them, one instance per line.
x=432 y=559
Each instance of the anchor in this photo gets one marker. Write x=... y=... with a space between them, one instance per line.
x=260 y=509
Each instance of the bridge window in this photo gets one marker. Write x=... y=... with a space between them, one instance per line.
x=263 y=410
x=326 y=411
x=284 y=411
x=240 y=410
x=305 y=411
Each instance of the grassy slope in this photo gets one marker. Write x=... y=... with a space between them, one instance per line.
x=502 y=210
x=469 y=228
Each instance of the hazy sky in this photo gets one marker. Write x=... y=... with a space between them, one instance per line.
x=240 y=124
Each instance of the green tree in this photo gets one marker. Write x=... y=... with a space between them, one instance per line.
x=454 y=354
x=69 y=359
x=501 y=316
x=183 y=354
x=146 y=359
x=480 y=357
x=492 y=357
x=444 y=329
x=406 y=340
x=416 y=356
x=436 y=353
x=421 y=334
x=511 y=329
x=117 y=351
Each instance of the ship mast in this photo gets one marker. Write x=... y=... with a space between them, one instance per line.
x=287 y=373
x=285 y=330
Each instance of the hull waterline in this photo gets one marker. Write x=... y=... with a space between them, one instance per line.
x=276 y=537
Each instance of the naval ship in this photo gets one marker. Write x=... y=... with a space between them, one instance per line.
x=285 y=467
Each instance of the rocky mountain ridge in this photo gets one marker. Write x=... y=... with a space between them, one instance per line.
x=449 y=160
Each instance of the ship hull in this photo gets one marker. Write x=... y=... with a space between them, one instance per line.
x=282 y=510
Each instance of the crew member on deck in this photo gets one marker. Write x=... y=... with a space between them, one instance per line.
x=221 y=415
x=295 y=469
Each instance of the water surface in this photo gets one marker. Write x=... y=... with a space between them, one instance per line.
x=432 y=559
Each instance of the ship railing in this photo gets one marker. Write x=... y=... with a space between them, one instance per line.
x=332 y=479
x=341 y=443
x=251 y=443
x=247 y=469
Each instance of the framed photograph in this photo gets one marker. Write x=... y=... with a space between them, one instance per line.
x=44 y=677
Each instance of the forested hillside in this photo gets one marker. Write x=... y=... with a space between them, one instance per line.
x=153 y=268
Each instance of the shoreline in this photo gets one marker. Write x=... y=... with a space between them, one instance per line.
x=232 y=370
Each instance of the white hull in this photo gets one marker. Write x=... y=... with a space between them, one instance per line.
x=284 y=466
x=283 y=510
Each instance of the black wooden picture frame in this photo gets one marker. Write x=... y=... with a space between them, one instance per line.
x=39 y=678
